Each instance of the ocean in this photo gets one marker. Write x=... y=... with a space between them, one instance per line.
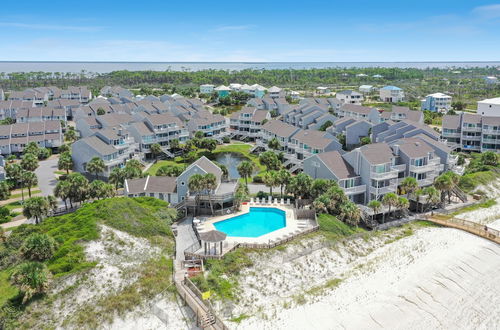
x=104 y=67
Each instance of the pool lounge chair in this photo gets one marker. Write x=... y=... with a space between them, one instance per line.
x=288 y=201
x=282 y=201
x=270 y=199
x=275 y=201
x=251 y=201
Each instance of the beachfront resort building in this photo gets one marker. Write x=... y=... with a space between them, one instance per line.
x=114 y=146
x=489 y=107
x=437 y=102
x=14 y=138
x=391 y=94
x=471 y=132
x=247 y=123
x=402 y=113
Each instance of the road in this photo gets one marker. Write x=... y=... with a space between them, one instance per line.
x=46 y=177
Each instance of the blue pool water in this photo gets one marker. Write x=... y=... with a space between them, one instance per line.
x=259 y=221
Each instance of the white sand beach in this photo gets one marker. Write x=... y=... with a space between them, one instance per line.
x=438 y=278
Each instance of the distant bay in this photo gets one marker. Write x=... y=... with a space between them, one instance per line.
x=105 y=67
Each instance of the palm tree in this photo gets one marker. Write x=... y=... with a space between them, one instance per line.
x=389 y=200
x=65 y=162
x=96 y=166
x=444 y=184
x=30 y=180
x=64 y=148
x=245 y=170
x=209 y=184
x=418 y=195
x=70 y=135
x=155 y=150
x=29 y=162
x=409 y=185
x=270 y=160
x=321 y=186
x=32 y=148
x=350 y=213
x=52 y=201
x=79 y=187
x=270 y=180
x=4 y=190
x=31 y=278
x=117 y=177
x=403 y=204
x=195 y=185
x=36 y=207
x=95 y=189
x=62 y=190
x=321 y=203
x=432 y=196
x=283 y=178
x=174 y=144
x=209 y=144
x=375 y=205
x=274 y=144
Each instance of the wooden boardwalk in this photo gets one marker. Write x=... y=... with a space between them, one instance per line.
x=472 y=227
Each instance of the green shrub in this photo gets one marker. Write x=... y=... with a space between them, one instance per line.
x=38 y=247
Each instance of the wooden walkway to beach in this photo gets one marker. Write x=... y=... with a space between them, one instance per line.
x=472 y=227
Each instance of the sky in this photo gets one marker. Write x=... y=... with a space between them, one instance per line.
x=250 y=31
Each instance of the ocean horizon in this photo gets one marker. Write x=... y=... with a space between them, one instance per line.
x=105 y=67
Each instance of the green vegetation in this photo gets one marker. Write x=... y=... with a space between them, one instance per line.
x=471 y=181
x=221 y=277
x=57 y=241
x=483 y=205
x=332 y=228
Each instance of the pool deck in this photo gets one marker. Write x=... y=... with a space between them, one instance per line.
x=292 y=225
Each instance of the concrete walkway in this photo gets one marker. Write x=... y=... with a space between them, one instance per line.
x=185 y=238
x=46 y=177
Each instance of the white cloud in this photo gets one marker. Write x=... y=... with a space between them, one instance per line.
x=52 y=27
x=488 y=12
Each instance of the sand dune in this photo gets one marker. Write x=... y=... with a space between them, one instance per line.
x=438 y=278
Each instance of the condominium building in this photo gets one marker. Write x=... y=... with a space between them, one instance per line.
x=14 y=138
x=358 y=112
x=114 y=147
x=471 y=132
x=402 y=113
x=247 y=123
x=213 y=126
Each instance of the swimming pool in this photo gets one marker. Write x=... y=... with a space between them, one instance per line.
x=259 y=221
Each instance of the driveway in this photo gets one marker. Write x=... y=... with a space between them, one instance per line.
x=46 y=177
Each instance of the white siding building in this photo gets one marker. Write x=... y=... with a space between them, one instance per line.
x=489 y=107
x=437 y=102
x=391 y=94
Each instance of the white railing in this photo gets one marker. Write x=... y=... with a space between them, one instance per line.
x=383 y=190
x=399 y=168
x=384 y=175
x=472 y=138
x=355 y=190
x=423 y=168
x=495 y=141
x=425 y=182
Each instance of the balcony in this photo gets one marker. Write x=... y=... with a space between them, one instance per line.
x=392 y=174
x=383 y=190
x=470 y=147
x=493 y=141
x=471 y=138
x=456 y=135
x=425 y=182
x=471 y=129
x=355 y=190
x=491 y=131
x=399 y=168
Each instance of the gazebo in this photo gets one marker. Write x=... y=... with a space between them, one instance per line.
x=212 y=237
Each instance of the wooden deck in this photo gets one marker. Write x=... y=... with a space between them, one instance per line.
x=472 y=227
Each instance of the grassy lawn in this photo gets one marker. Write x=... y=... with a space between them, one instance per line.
x=240 y=148
x=33 y=191
x=333 y=228
x=469 y=182
x=7 y=290
x=14 y=205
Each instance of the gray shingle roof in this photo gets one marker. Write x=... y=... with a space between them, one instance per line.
x=334 y=161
